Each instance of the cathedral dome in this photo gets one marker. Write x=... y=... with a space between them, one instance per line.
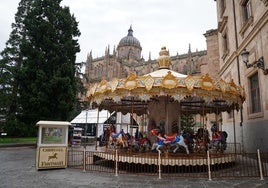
x=129 y=40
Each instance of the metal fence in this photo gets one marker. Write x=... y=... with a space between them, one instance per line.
x=204 y=165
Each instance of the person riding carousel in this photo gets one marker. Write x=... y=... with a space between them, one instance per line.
x=216 y=136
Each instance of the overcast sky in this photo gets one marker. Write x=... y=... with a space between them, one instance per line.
x=155 y=23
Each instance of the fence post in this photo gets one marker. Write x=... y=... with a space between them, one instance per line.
x=159 y=164
x=260 y=166
x=84 y=160
x=208 y=160
x=69 y=157
x=116 y=162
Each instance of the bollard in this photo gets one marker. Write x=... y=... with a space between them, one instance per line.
x=209 y=172
x=159 y=164
x=260 y=166
x=116 y=164
x=84 y=160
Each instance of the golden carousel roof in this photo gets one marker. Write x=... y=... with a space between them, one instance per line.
x=196 y=94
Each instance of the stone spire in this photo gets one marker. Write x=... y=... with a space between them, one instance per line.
x=130 y=31
x=189 y=49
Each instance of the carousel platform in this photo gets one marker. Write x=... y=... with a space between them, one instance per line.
x=166 y=159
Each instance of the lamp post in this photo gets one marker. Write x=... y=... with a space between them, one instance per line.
x=259 y=63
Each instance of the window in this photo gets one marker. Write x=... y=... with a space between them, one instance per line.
x=246 y=10
x=255 y=105
x=246 y=16
x=138 y=54
x=222 y=7
x=224 y=42
x=122 y=53
x=52 y=135
x=184 y=69
x=225 y=49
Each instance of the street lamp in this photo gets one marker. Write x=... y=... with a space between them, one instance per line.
x=259 y=63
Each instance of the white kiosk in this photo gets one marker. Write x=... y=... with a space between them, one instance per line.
x=52 y=144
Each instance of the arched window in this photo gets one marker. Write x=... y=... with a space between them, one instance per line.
x=122 y=53
x=184 y=69
x=255 y=101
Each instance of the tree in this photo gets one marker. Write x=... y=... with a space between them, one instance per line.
x=187 y=123
x=39 y=60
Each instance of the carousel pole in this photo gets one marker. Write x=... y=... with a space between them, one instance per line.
x=200 y=120
x=131 y=117
x=143 y=124
x=179 y=117
x=203 y=121
x=97 y=127
x=146 y=120
x=234 y=128
x=216 y=118
x=139 y=124
x=107 y=117
x=166 y=109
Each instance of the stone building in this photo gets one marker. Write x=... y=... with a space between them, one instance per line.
x=126 y=58
x=243 y=29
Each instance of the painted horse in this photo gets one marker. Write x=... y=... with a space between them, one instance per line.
x=140 y=144
x=117 y=139
x=176 y=140
x=202 y=140
x=144 y=144
x=218 y=141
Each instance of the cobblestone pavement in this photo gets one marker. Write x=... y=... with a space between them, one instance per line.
x=17 y=169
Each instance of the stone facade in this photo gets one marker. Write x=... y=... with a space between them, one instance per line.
x=126 y=59
x=242 y=24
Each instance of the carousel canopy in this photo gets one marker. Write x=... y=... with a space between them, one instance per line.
x=196 y=94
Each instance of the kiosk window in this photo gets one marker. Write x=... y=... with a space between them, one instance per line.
x=52 y=136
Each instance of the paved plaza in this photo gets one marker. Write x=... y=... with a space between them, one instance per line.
x=17 y=169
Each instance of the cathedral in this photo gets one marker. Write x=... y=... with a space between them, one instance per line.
x=126 y=58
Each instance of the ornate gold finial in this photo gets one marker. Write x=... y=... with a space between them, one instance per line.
x=164 y=59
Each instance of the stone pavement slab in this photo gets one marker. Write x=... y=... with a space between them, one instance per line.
x=17 y=169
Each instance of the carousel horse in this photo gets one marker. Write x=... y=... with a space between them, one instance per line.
x=218 y=141
x=138 y=144
x=144 y=144
x=132 y=143
x=117 y=139
x=202 y=140
x=189 y=139
x=176 y=140
x=159 y=142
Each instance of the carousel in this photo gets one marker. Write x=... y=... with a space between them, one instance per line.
x=163 y=96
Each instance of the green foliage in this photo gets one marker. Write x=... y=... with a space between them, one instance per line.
x=16 y=128
x=38 y=65
x=8 y=140
x=187 y=123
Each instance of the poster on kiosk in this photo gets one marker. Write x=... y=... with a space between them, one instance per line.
x=52 y=144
